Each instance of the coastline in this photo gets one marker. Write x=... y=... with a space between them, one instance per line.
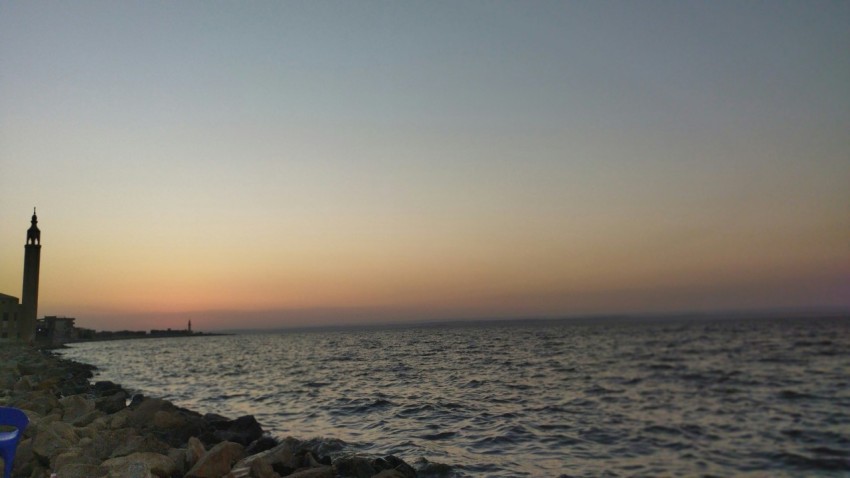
x=83 y=429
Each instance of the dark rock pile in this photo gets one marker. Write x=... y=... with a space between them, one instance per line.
x=78 y=429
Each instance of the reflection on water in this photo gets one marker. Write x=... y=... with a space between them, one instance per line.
x=666 y=398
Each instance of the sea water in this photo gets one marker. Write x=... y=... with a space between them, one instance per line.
x=595 y=398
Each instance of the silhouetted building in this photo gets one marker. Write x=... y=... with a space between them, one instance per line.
x=17 y=320
x=56 y=330
x=10 y=310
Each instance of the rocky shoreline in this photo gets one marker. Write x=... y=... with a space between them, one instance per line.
x=81 y=429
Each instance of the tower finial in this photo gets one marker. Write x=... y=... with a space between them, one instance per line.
x=33 y=234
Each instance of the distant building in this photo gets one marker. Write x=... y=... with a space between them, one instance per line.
x=56 y=330
x=17 y=320
x=9 y=311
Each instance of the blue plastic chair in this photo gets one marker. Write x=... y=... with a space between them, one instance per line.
x=11 y=417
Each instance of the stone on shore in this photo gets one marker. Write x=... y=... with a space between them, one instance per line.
x=74 y=407
x=243 y=430
x=52 y=439
x=194 y=451
x=356 y=466
x=111 y=403
x=284 y=459
x=218 y=461
x=80 y=470
x=141 y=464
x=318 y=472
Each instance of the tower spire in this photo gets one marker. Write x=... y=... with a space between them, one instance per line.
x=33 y=234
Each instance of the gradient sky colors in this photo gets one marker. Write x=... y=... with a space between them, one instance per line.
x=275 y=163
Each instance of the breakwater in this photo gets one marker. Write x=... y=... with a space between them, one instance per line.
x=83 y=429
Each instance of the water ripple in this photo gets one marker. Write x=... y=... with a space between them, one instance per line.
x=700 y=398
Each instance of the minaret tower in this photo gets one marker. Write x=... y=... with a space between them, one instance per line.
x=29 y=296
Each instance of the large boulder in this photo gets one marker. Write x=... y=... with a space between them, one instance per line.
x=141 y=464
x=140 y=444
x=43 y=403
x=194 y=451
x=75 y=455
x=168 y=419
x=244 y=430
x=390 y=474
x=24 y=458
x=112 y=403
x=218 y=461
x=74 y=407
x=261 y=469
x=289 y=456
x=80 y=470
x=354 y=466
x=105 y=388
x=53 y=438
x=318 y=472
x=395 y=464
x=104 y=444
x=169 y=423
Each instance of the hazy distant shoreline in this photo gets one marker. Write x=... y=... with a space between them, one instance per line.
x=647 y=318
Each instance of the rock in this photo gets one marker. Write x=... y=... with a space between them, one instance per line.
x=74 y=407
x=218 y=461
x=354 y=466
x=163 y=419
x=112 y=403
x=141 y=464
x=74 y=455
x=325 y=447
x=140 y=444
x=391 y=462
x=25 y=384
x=194 y=451
x=320 y=472
x=244 y=430
x=283 y=459
x=42 y=403
x=105 y=387
x=24 y=458
x=260 y=445
x=213 y=418
x=48 y=385
x=80 y=470
x=160 y=416
x=429 y=468
x=136 y=400
x=178 y=456
x=7 y=379
x=390 y=474
x=52 y=439
x=142 y=412
x=87 y=419
x=262 y=469
x=119 y=420
x=107 y=441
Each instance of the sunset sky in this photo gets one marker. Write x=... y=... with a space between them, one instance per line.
x=263 y=164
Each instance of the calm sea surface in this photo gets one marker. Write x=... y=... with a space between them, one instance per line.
x=683 y=398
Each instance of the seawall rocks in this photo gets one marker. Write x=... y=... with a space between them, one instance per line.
x=80 y=429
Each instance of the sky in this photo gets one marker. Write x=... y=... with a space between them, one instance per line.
x=266 y=164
